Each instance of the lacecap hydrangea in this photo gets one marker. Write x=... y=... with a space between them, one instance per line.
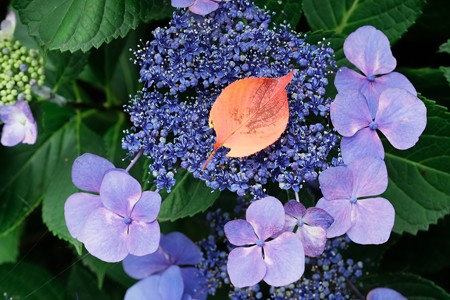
x=184 y=69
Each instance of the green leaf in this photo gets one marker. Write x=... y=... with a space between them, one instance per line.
x=9 y=246
x=446 y=72
x=188 y=197
x=26 y=280
x=409 y=285
x=285 y=11
x=98 y=267
x=73 y=25
x=81 y=285
x=27 y=169
x=393 y=17
x=418 y=177
x=445 y=48
x=113 y=140
x=74 y=140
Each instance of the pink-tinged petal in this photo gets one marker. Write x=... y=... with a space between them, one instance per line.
x=369 y=50
x=171 y=285
x=294 y=209
x=315 y=216
x=194 y=283
x=181 y=250
x=120 y=192
x=77 y=209
x=182 y=3
x=341 y=211
x=246 y=266
x=401 y=117
x=88 y=171
x=313 y=239
x=285 y=260
x=384 y=294
x=139 y=267
x=147 y=208
x=105 y=235
x=203 y=7
x=372 y=221
x=370 y=177
x=143 y=238
x=365 y=143
x=12 y=134
x=347 y=79
x=240 y=233
x=266 y=216
x=336 y=183
x=349 y=112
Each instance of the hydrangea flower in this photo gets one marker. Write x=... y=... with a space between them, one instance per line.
x=311 y=224
x=7 y=26
x=400 y=116
x=384 y=294
x=278 y=261
x=167 y=271
x=118 y=221
x=199 y=7
x=345 y=190
x=19 y=124
x=368 y=49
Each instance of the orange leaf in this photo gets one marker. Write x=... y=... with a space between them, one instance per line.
x=250 y=114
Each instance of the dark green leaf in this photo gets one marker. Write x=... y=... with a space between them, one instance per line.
x=446 y=72
x=9 y=246
x=409 y=285
x=81 y=285
x=188 y=197
x=393 y=17
x=97 y=266
x=285 y=11
x=75 y=139
x=113 y=140
x=418 y=177
x=27 y=280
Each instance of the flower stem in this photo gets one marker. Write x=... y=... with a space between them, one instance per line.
x=297 y=197
x=135 y=159
x=355 y=289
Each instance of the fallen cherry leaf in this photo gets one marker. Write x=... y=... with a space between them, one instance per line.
x=250 y=114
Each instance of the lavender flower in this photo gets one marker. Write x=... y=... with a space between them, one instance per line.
x=384 y=294
x=400 y=116
x=311 y=224
x=199 y=7
x=167 y=271
x=367 y=220
x=283 y=261
x=19 y=124
x=369 y=50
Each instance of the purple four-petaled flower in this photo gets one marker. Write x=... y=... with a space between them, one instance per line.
x=312 y=225
x=278 y=261
x=199 y=7
x=167 y=272
x=19 y=124
x=345 y=190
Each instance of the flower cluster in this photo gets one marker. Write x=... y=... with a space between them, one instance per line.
x=186 y=67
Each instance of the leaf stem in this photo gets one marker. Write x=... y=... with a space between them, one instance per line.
x=135 y=159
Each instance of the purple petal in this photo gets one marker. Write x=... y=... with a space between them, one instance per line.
x=120 y=192
x=24 y=108
x=313 y=239
x=372 y=221
x=143 y=238
x=30 y=133
x=88 y=171
x=181 y=249
x=194 y=283
x=171 y=285
x=246 y=266
x=240 y=233
x=285 y=260
x=140 y=267
x=77 y=209
x=266 y=216
x=12 y=134
x=10 y=114
x=105 y=235
x=365 y=143
x=182 y=3
x=8 y=25
x=294 y=209
x=369 y=50
x=401 y=117
x=341 y=211
x=147 y=208
x=336 y=183
x=370 y=177
x=203 y=7
x=384 y=294
x=349 y=112
x=139 y=291
x=317 y=217
x=347 y=79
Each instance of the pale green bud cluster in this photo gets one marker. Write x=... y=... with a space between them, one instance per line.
x=20 y=68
